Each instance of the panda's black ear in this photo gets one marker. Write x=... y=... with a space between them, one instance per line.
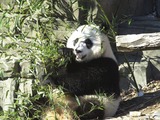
x=66 y=51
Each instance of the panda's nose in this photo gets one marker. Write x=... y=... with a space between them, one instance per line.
x=78 y=51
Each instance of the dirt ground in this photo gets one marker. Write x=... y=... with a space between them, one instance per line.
x=146 y=107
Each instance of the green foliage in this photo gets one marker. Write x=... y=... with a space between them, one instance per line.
x=30 y=29
x=30 y=26
x=29 y=107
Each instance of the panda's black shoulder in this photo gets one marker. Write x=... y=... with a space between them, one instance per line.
x=102 y=61
x=74 y=66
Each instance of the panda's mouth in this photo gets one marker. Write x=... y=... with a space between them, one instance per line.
x=80 y=57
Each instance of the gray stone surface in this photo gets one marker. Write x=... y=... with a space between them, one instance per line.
x=25 y=86
x=156 y=115
x=153 y=58
x=25 y=68
x=133 y=42
x=7 y=88
x=140 y=73
x=145 y=66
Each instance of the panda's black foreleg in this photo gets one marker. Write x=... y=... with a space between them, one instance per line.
x=65 y=52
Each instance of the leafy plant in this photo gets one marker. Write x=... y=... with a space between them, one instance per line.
x=27 y=29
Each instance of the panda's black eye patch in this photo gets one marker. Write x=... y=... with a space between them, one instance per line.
x=89 y=43
x=75 y=41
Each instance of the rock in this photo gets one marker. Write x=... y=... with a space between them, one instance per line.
x=139 y=70
x=156 y=115
x=153 y=58
x=145 y=66
x=25 y=86
x=135 y=113
x=140 y=73
x=6 y=68
x=131 y=42
x=7 y=88
x=25 y=69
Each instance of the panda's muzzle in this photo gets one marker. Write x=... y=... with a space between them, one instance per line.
x=80 y=57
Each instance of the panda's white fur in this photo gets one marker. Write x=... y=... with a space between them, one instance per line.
x=100 y=48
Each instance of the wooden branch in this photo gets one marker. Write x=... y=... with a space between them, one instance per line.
x=133 y=42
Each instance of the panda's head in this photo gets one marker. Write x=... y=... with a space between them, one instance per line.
x=86 y=43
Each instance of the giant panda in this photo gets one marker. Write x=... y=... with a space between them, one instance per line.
x=90 y=82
